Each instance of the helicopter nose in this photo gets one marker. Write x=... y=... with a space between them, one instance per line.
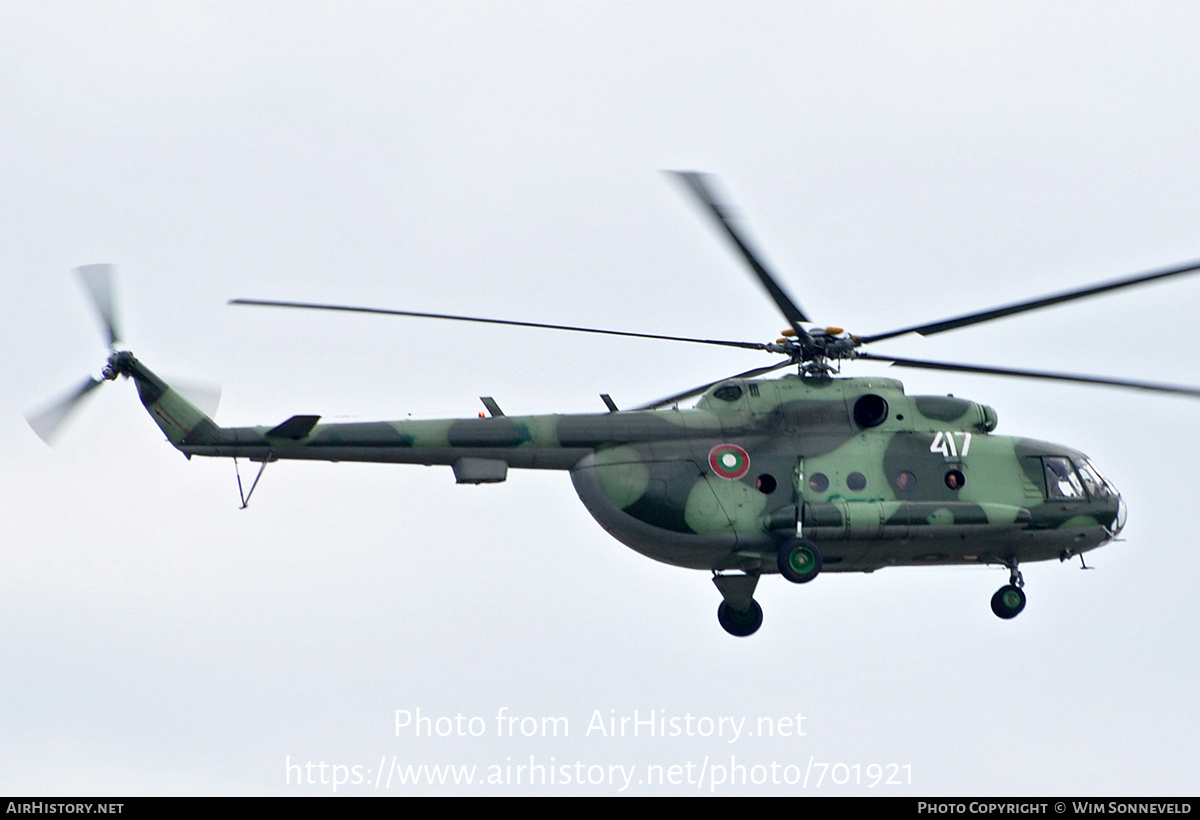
x=1118 y=523
x=1101 y=490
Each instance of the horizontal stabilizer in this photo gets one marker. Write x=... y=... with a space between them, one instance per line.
x=296 y=428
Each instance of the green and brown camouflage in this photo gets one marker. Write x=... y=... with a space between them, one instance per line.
x=874 y=477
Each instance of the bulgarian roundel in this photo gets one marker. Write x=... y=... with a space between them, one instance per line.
x=729 y=461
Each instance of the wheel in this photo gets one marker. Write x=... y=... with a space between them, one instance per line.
x=1008 y=602
x=737 y=623
x=799 y=560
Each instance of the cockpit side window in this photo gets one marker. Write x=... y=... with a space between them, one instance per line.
x=1061 y=479
x=1096 y=486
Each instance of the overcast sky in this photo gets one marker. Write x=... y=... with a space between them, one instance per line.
x=893 y=162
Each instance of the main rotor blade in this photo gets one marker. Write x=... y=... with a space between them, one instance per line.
x=1034 y=304
x=98 y=280
x=48 y=421
x=1036 y=374
x=698 y=183
x=695 y=391
x=386 y=312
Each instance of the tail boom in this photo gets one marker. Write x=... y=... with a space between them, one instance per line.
x=183 y=423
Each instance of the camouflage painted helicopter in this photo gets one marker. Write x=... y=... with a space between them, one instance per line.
x=799 y=475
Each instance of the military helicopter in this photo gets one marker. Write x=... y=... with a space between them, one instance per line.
x=808 y=473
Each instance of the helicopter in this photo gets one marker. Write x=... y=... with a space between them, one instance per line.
x=798 y=475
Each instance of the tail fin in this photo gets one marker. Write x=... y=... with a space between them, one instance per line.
x=181 y=420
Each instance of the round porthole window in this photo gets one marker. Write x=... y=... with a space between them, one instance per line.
x=870 y=410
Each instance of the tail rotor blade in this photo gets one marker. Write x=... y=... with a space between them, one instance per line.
x=206 y=397
x=98 y=280
x=48 y=421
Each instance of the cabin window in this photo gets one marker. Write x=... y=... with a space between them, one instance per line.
x=765 y=483
x=870 y=410
x=856 y=481
x=728 y=392
x=818 y=482
x=955 y=479
x=906 y=482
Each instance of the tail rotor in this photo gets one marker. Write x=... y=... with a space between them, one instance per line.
x=48 y=421
x=97 y=280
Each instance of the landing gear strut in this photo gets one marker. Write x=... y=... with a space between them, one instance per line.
x=739 y=614
x=1009 y=600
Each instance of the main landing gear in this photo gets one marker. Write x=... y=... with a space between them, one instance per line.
x=740 y=624
x=799 y=560
x=739 y=614
x=1009 y=600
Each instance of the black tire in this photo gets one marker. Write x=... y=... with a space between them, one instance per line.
x=799 y=560
x=740 y=624
x=1008 y=602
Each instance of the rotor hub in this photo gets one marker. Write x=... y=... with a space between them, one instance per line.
x=118 y=365
x=819 y=352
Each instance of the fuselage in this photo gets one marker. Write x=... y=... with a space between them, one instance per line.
x=874 y=476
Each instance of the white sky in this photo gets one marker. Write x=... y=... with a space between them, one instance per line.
x=894 y=163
